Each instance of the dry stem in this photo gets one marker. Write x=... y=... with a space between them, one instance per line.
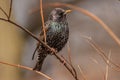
x=42 y=18
x=27 y=68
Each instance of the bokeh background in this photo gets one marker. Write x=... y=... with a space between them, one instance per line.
x=17 y=47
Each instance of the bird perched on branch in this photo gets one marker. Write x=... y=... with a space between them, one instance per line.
x=57 y=33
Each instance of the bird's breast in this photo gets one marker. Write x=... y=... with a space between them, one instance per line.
x=57 y=35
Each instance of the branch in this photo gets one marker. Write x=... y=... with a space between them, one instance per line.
x=107 y=67
x=42 y=18
x=81 y=71
x=10 y=9
x=72 y=69
x=27 y=68
x=4 y=12
x=102 y=54
x=24 y=29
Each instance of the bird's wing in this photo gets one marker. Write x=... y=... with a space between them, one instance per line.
x=41 y=37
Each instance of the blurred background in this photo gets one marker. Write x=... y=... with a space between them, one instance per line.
x=17 y=47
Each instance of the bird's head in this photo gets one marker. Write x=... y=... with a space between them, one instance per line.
x=58 y=14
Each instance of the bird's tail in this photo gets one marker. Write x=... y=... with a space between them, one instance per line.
x=41 y=57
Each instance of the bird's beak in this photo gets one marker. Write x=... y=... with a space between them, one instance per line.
x=67 y=11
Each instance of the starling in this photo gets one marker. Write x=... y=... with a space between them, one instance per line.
x=57 y=33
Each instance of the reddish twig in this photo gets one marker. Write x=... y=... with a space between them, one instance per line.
x=69 y=53
x=42 y=18
x=27 y=68
x=83 y=75
x=102 y=54
x=24 y=29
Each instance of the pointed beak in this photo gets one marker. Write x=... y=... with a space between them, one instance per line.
x=67 y=11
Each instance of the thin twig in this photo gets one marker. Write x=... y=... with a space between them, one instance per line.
x=27 y=68
x=4 y=12
x=70 y=60
x=66 y=61
x=69 y=53
x=66 y=65
x=100 y=67
x=102 y=54
x=74 y=72
x=83 y=75
x=10 y=10
x=42 y=18
x=24 y=29
x=107 y=67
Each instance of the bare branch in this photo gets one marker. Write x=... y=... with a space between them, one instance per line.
x=10 y=10
x=24 y=29
x=83 y=75
x=107 y=67
x=69 y=52
x=42 y=18
x=73 y=71
x=4 y=12
x=102 y=54
x=27 y=68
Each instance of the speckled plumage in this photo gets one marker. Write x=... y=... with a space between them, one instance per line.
x=57 y=33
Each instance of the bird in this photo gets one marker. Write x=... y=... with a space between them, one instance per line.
x=57 y=34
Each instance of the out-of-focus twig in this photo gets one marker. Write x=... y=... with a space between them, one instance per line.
x=69 y=52
x=4 y=12
x=107 y=67
x=102 y=54
x=27 y=68
x=83 y=75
